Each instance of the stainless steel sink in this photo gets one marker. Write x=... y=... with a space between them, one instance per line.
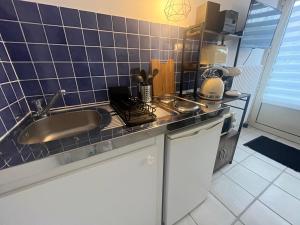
x=59 y=126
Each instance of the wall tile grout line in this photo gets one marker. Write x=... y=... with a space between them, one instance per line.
x=23 y=34
x=86 y=54
x=102 y=59
x=127 y=51
x=114 y=43
x=49 y=50
x=44 y=49
x=69 y=52
x=17 y=119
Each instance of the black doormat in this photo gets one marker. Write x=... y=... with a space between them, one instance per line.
x=277 y=151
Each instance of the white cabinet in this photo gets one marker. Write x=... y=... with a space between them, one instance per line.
x=125 y=190
x=189 y=163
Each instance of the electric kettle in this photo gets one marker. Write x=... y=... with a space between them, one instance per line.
x=212 y=87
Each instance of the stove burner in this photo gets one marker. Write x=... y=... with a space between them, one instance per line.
x=167 y=99
x=185 y=106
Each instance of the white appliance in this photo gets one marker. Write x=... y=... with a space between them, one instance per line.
x=212 y=87
x=189 y=163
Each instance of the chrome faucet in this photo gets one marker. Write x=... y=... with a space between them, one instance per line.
x=42 y=112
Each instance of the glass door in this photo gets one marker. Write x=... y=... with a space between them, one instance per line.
x=279 y=108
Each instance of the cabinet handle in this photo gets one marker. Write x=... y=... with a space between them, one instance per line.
x=196 y=132
x=150 y=160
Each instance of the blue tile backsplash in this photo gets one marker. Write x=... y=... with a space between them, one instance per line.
x=54 y=48
x=13 y=105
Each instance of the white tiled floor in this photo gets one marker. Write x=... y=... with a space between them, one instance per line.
x=253 y=190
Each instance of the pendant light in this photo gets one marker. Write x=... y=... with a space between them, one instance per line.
x=177 y=10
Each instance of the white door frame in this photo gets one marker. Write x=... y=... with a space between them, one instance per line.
x=287 y=7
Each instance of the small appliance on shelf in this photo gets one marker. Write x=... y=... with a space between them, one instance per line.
x=218 y=80
x=212 y=87
x=219 y=21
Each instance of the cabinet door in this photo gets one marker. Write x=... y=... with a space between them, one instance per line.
x=190 y=158
x=120 y=191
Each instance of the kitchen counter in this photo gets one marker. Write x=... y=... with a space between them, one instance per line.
x=111 y=134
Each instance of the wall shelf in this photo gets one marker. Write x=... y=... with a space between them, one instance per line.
x=199 y=33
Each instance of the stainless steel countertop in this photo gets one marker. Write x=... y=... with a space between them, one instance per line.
x=111 y=137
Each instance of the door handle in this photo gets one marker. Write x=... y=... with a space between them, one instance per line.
x=196 y=132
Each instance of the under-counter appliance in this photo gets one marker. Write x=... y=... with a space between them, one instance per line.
x=190 y=155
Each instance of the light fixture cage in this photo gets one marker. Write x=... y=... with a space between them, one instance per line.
x=177 y=10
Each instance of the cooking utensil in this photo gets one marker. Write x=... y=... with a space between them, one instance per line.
x=151 y=76
x=138 y=78
x=144 y=76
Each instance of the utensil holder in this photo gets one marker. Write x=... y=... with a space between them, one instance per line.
x=146 y=93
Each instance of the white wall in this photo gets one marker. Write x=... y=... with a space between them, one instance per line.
x=150 y=10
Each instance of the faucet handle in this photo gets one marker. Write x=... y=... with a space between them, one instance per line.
x=38 y=104
x=62 y=92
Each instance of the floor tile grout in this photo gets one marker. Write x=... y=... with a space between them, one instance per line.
x=257 y=173
x=298 y=178
x=257 y=199
x=253 y=154
x=273 y=211
x=271 y=183
x=286 y=191
x=223 y=204
x=238 y=218
x=193 y=218
x=240 y=185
